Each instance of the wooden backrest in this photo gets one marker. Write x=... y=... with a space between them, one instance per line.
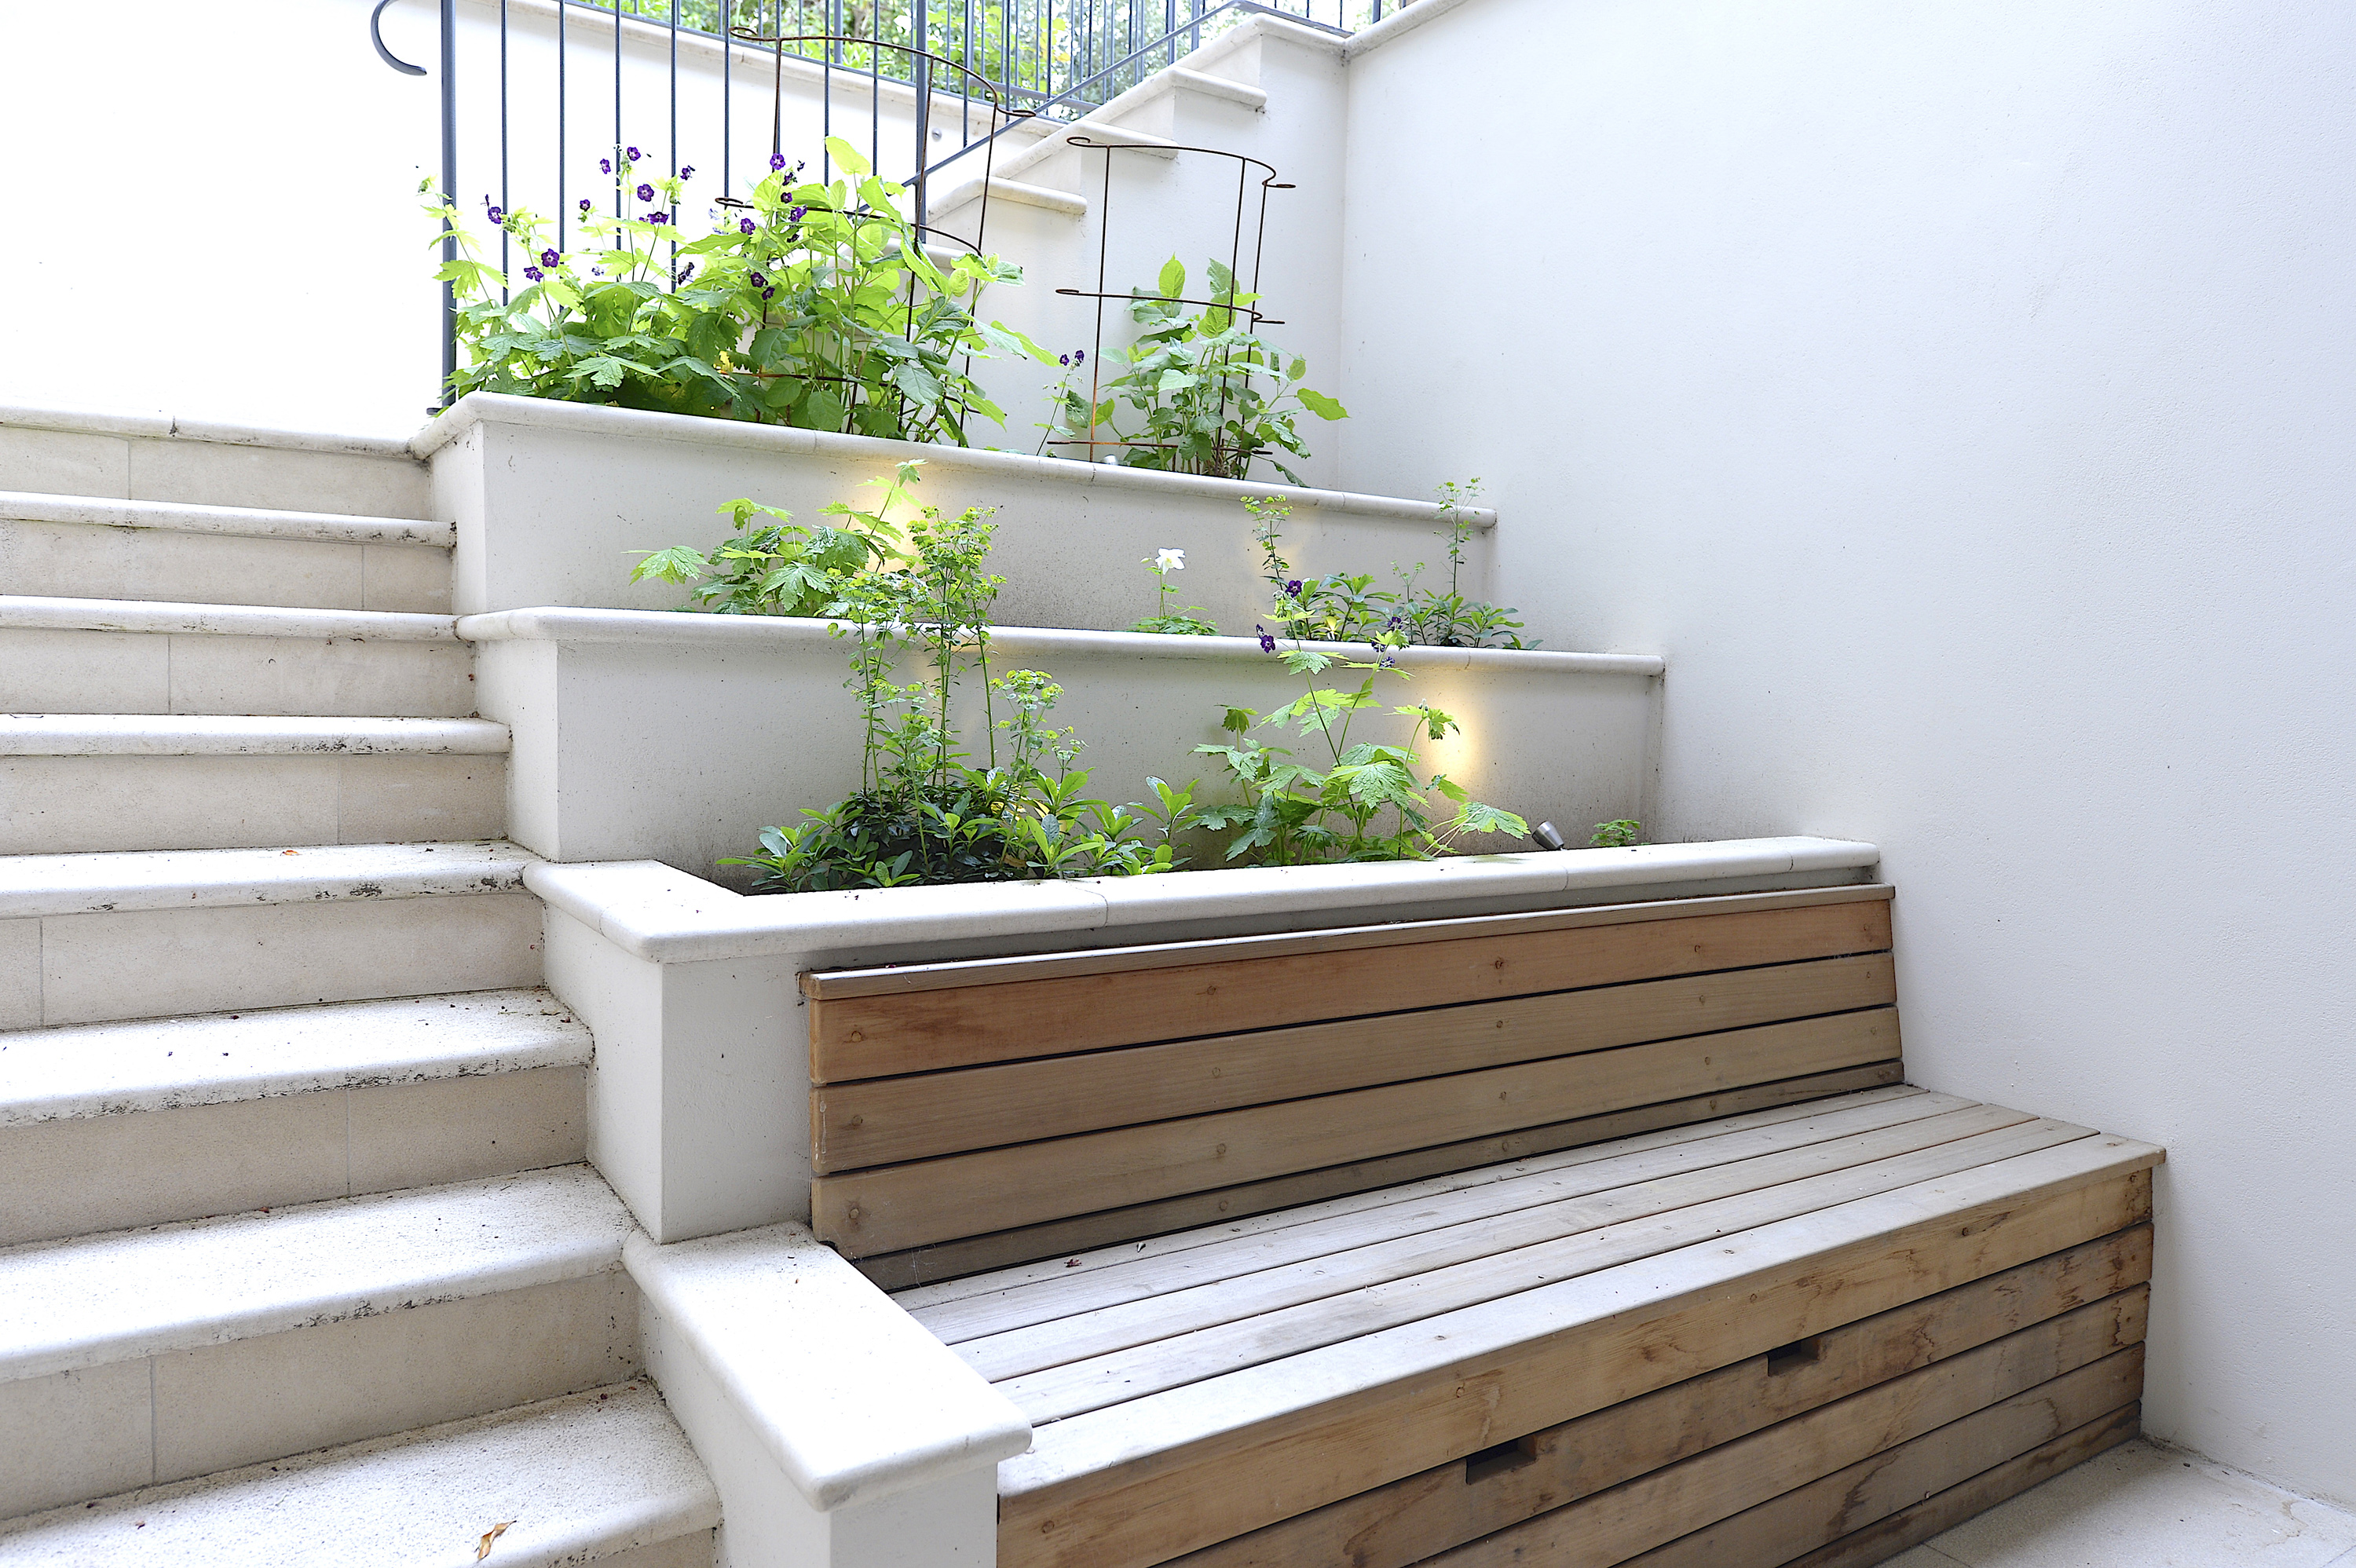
x=969 y=1115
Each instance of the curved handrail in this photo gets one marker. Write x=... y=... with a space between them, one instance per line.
x=376 y=37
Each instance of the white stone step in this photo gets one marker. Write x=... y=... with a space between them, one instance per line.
x=150 y=458
x=109 y=1126
x=131 y=656
x=138 y=1358
x=90 y=782
x=91 y=938
x=106 y=548
x=603 y=1477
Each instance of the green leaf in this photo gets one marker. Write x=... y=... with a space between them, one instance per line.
x=1172 y=281
x=1318 y=403
x=848 y=156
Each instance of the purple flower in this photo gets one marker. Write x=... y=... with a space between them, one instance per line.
x=746 y=225
x=755 y=279
x=533 y=273
x=1293 y=588
x=766 y=293
x=657 y=218
x=549 y=258
x=1267 y=642
x=496 y=214
x=1079 y=355
x=777 y=161
x=1065 y=359
x=794 y=214
x=605 y=164
x=684 y=273
x=687 y=172
x=646 y=192
x=631 y=153
x=585 y=204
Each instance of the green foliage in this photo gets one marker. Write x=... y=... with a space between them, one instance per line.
x=1203 y=393
x=924 y=812
x=1186 y=622
x=1624 y=833
x=810 y=303
x=779 y=568
x=1342 y=607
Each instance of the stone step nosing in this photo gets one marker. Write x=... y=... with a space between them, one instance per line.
x=242 y=522
x=35 y=613
x=218 y=735
x=120 y=882
x=77 y=1072
x=121 y=1296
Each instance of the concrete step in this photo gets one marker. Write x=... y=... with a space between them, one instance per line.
x=105 y=548
x=83 y=782
x=154 y=934
x=603 y=1477
x=130 y=655
x=138 y=1357
x=144 y=457
x=109 y=1126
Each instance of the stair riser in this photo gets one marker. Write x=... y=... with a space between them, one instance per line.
x=213 y=473
x=75 y=1436
x=44 y=671
x=150 y=1167
x=80 y=562
x=57 y=806
x=89 y=968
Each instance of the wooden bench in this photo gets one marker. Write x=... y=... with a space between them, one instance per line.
x=1587 y=1237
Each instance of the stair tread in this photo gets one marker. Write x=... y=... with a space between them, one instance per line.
x=235 y=734
x=588 y=1475
x=252 y=522
x=40 y=612
x=155 y=1064
x=114 y=881
x=123 y=1294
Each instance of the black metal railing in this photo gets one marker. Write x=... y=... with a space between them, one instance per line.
x=594 y=77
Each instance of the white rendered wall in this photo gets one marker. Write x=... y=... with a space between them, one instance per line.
x=1960 y=398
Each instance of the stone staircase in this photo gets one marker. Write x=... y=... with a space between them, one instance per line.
x=300 y=1258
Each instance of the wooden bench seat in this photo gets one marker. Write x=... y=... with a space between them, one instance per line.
x=1614 y=1237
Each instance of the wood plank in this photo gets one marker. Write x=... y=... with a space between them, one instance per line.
x=2090 y=1300
x=926 y=1031
x=954 y=1266
x=1909 y=1527
x=893 y=1207
x=1170 y=1474
x=1226 y=1252
x=1164 y=1352
x=888 y=1121
x=1930 y=1443
x=894 y=980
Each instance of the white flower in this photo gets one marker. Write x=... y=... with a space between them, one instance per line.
x=1170 y=560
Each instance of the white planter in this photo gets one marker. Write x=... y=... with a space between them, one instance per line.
x=645 y=735
x=552 y=500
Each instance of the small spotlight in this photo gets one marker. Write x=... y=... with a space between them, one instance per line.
x=1546 y=838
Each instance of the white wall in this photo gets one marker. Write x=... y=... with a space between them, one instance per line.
x=1960 y=397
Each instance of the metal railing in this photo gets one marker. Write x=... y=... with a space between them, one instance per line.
x=938 y=61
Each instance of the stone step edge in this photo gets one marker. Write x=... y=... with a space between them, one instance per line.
x=222 y=735
x=36 y=613
x=39 y=886
x=241 y=522
x=418 y=1497
x=119 y=1296
x=75 y=1071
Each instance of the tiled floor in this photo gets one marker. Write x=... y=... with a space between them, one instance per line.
x=2142 y=1506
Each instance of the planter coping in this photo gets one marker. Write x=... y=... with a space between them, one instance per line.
x=858 y=1402
x=557 y=624
x=625 y=425
x=666 y=916
x=154 y=427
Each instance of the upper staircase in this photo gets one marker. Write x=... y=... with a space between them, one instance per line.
x=300 y=1258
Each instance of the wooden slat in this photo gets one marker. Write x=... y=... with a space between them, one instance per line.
x=1894 y=1533
x=1160 y=1476
x=1479 y=1225
x=1874 y=1434
x=887 y=1121
x=896 y=979
x=925 y=1032
x=1225 y=1251
x=963 y=1195
x=1369 y=1299
x=2092 y=1298
x=952 y=1267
